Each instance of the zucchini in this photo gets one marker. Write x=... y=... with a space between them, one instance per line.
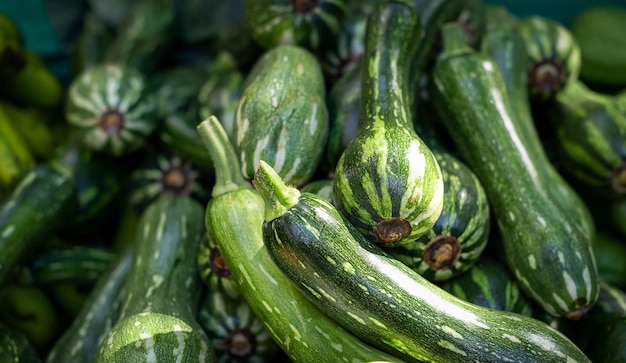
x=111 y=109
x=489 y=283
x=81 y=339
x=610 y=252
x=321 y=187
x=164 y=173
x=553 y=56
x=15 y=156
x=79 y=263
x=384 y=302
x=388 y=183
x=236 y=333
x=234 y=219
x=549 y=254
x=15 y=347
x=460 y=234
x=602 y=337
x=214 y=272
x=178 y=136
x=504 y=44
x=40 y=205
x=282 y=116
x=157 y=317
x=310 y=24
x=589 y=133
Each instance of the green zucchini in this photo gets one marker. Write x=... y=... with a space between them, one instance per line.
x=610 y=252
x=214 y=272
x=387 y=181
x=178 y=136
x=78 y=263
x=602 y=337
x=111 y=109
x=282 y=116
x=15 y=347
x=304 y=23
x=384 y=302
x=40 y=205
x=236 y=333
x=321 y=187
x=460 y=234
x=489 y=283
x=81 y=339
x=599 y=30
x=590 y=139
x=163 y=173
x=553 y=55
x=504 y=44
x=157 y=317
x=234 y=219
x=549 y=253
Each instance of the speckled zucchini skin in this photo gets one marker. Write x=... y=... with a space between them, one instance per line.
x=157 y=319
x=461 y=232
x=388 y=183
x=309 y=24
x=234 y=220
x=546 y=249
x=384 y=302
x=111 y=109
x=282 y=116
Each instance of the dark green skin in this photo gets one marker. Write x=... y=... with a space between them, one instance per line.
x=610 y=252
x=276 y=22
x=488 y=283
x=76 y=263
x=15 y=347
x=178 y=135
x=590 y=140
x=159 y=297
x=390 y=306
x=505 y=45
x=81 y=339
x=546 y=249
x=387 y=172
x=42 y=203
x=601 y=336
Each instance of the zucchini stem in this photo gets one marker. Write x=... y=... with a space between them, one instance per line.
x=228 y=176
x=278 y=196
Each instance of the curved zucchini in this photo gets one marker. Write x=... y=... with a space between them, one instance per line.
x=504 y=44
x=489 y=283
x=41 y=204
x=80 y=341
x=384 y=302
x=111 y=109
x=461 y=232
x=157 y=317
x=388 y=183
x=553 y=56
x=282 y=116
x=309 y=24
x=234 y=220
x=236 y=333
x=549 y=253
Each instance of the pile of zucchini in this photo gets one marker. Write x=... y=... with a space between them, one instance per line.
x=351 y=181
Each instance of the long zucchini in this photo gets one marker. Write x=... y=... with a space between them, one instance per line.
x=384 y=302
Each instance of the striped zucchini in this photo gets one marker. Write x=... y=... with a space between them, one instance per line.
x=553 y=56
x=214 y=271
x=388 y=183
x=461 y=232
x=15 y=347
x=282 y=116
x=548 y=252
x=234 y=219
x=111 y=109
x=505 y=45
x=157 y=320
x=384 y=302
x=41 y=204
x=77 y=263
x=164 y=173
x=310 y=24
x=321 y=187
x=590 y=139
x=489 y=283
x=80 y=341
x=236 y=333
